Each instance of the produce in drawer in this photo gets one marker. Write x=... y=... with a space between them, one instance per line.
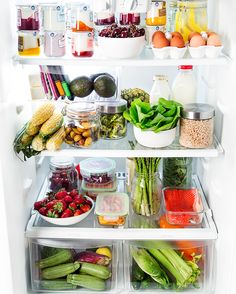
x=93 y=257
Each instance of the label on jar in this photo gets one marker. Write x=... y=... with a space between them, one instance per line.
x=60 y=14
x=139 y=6
x=19 y=17
x=20 y=43
x=61 y=41
x=82 y=42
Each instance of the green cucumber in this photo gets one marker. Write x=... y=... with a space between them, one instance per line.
x=56 y=285
x=86 y=281
x=96 y=270
x=61 y=256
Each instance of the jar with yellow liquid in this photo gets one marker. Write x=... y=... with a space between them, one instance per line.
x=191 y=16
x=156 y=13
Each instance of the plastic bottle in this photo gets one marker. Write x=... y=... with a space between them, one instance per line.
x=184 y=87
x=160 y=89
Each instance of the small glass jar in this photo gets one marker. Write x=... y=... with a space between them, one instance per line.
x=81 y=18
x=62 y=174
x=129 y=18
x=28 y=17
x=82 y=125
x=82 y=44
x=160 y=89
x=54 y=44
x=113 y=124
x=53 y=17
x=146 y=194
x=156 y=14
x=197 y=125
x=28 y=43
x=103 y=12
x=177 y=172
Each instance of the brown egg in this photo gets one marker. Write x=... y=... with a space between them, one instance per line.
x=214 y=40
x=174 y=34
x=197 y=41
x=209 y=33
x=177 y=42
x=193 y=34
x=160 y=42
x=158 y=34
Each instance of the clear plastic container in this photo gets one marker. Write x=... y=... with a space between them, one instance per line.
x=156 y=14
x=98 y=173
x=104 y=13
x=82 y=124
x=129 y=18
x=28 y=17
x=28 y=43
x=113 y=124
x=54 y=44
x=53 y=17
x=183 y=206
x=62 y=174
x=82 y=44
x=112 y=208
x=43 y=248
x=81 y=18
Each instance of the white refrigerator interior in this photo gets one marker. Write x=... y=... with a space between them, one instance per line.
x=20 y=182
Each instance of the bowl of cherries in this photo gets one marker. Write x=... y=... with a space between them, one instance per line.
x=64 y=208
x=121 y=41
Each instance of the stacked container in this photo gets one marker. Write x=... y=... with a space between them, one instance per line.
x=54 y=26
x=28 y=30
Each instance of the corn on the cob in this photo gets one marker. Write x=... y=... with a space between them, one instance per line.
x=26 y=139
x=31 y=129
x=54 y=143
x=51 y=125
x=38 y=143
x=43 y=113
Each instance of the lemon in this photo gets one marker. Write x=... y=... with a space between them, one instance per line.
x=104 y=251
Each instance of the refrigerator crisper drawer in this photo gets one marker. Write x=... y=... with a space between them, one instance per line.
x=42 y=248
x=191 y=263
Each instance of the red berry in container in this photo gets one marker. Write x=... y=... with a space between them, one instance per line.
x=67 y=213
x=43 y=210
x=61 y=194
x=68 y=199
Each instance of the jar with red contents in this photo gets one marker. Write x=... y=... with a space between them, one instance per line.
x=63 y=174
x=129 y=18
x=82 y=44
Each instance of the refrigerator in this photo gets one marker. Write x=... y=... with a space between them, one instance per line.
x=22 y=231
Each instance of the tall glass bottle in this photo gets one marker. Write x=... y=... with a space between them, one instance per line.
x=160 y=89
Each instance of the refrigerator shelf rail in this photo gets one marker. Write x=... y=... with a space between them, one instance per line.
x=89 y=228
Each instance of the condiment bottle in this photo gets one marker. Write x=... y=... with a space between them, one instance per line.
x=160 y=89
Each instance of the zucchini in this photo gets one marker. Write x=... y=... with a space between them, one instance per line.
x=96 y=270
x=59 y=271
x=56 y=285
x=86 y=281
x=62 y=256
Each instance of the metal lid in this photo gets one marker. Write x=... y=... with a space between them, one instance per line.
x=112 y=107
x=198 y=111
x=61 y=162
x=160 y=78
x=80 y=109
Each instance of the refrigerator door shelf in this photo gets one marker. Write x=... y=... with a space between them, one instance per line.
x=89 y=228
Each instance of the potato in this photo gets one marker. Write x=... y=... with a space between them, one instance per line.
x=81 y=142
x=88 y=142
x=77 y=138
x=68 y=130
x=86 y=125
x=86 y=133
x=72 y=134
x=76 y=131
x=80 y=130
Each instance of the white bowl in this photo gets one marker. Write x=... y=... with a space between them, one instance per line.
x=154 y=140
x=121 y=47
x=213 y=51
x=161 y=53
x=68 y=220
x=197 y=52
x=177 y=53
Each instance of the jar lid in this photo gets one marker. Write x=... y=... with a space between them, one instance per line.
x=96 y=166
x=112 y=107
x=80 y=109
x=198 y=111
x=160 y=78
x=185 y=67
x=61 y=162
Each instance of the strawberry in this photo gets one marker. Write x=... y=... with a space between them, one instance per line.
x=67 y=213
x=50 y=204
x=61 y=194
x=38 y=205
x=86 y=201
x=78 y=212
x=74 y=193
x=79 y=200
x=60 y=206
x=43 y=210
x=85 y=207
x=72 y=206
x=52 y=213
x=68 y=199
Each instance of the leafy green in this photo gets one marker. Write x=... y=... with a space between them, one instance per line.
x=159 y=117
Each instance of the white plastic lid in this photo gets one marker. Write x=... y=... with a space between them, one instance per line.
x=112 y=204
x=97 y=166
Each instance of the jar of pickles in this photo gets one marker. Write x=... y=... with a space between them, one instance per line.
x=62 y=174
x=82 y=124
x=113 y=124
x=156 y=14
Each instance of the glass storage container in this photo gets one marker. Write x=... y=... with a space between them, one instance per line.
x=82 y=44
x=113 y=124
x=53 y=17
x=129 y=18
x=62 y=174
x=28 y=17
x=98 y=174
x=156 y=14
x=28 y=43
x=197 y=125
x=171 y=15
x=54 y=43
x=82 y=124
x=103 y=12
x=112 y=208
x=81 y=17
x=177 y=172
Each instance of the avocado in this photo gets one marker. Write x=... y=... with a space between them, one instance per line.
x=81 y=86
x=105 y=86
x=94 y=76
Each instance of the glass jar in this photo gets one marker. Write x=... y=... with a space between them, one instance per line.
x=160 y=89
x=28 y=43
x=113 y=124
x=54 y=44
x=197 y=125
x=177 y=172
x=28 y=17
x=103 y=12
x=53 y=17
x=156 y=14
x=191 y=16
x=146 y=193
x=82 y=124
x=129 y=18
x=81 y=18
x=130 y=172
x=82 y=44
x=62 y=174
x=171 y=14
